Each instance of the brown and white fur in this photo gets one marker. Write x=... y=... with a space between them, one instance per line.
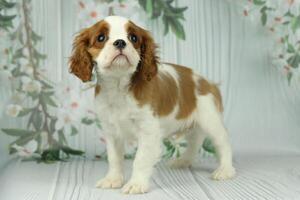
x=138 y=97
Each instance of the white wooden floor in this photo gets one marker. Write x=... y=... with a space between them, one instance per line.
x=264 y=177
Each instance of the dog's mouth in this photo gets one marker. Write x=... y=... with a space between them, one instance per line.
x=120 y=56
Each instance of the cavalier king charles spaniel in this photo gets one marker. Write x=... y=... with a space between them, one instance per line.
x=138 y=97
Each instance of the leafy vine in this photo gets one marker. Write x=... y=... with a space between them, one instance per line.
x=282 y=19
x=42 y=139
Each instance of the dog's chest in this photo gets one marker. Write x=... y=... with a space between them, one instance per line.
x=117 y=109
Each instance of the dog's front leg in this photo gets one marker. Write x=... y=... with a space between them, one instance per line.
x=148 y=154
x=114 y=177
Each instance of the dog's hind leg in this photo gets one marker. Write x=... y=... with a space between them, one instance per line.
x=210 y=121
x=194 y=138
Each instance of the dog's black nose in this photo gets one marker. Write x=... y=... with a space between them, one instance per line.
x=120 y=44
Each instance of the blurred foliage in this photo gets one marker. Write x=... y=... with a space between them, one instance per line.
x=285 y=24
x=6 y=21
x=39 y=116
x=172 y=16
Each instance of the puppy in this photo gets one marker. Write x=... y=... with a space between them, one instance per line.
x=138 y=97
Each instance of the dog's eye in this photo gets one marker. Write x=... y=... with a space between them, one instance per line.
x=101 y=38
x=133 y=38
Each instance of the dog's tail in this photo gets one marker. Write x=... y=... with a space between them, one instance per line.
x=206 y=87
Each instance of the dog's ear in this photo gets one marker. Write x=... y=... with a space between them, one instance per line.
x=81 y=63
x=149 y=60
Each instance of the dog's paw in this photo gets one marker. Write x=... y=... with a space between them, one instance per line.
x=223 y=173
x=179 y=163
x=110 y=182
x=135 y=187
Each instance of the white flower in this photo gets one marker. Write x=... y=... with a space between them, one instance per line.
x=27 y=150
x=251 y=12
x=65 y=120
x=13 y=110
x=25 y=52
x=17 y=97
x=292 y=5
x=91 y=12
x=72 y=109
x=130 y=10
x=71 y=100
x=27 y=69
x=31 y=85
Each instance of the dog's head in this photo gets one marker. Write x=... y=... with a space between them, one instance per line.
x=117 y=46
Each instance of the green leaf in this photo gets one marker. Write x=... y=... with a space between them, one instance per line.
x=295 y=23
x=50 y=155
x=16 y=132
x=169 y=1
x=128 y=156
x=149 y=7
x=61 y=138
x=12 y=150
x=24 y=139
x=286 y=38
x=172 y=151
x=167 y=143
x=35 y=37
x=74 y=130
x=157 y=10
x=6 y=24
x=177 y=153
x=263 y=18
x=46 y=98
x=98 y=124
x=24 y=112
x=7 y=17
x=290 y=48
x=166 y=25
x=71 y=151
x=174 y=15
x=183 y=144
x=49 y=93
x=208 y=146
x=143 y=3
x=259 y=2
x=52 y=125
x=87 y=121
x=38 y=55
x=177 y=28
x=286 y=23
x=289 y=14
x=179 y=10
x=37 y=120
x=263 y=9
x=18 y=54
x=294 y=60
x=46 y=85
x=6 y=5
x=169 y=152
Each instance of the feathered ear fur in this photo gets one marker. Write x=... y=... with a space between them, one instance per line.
x=81 y=63
x=148 y=64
